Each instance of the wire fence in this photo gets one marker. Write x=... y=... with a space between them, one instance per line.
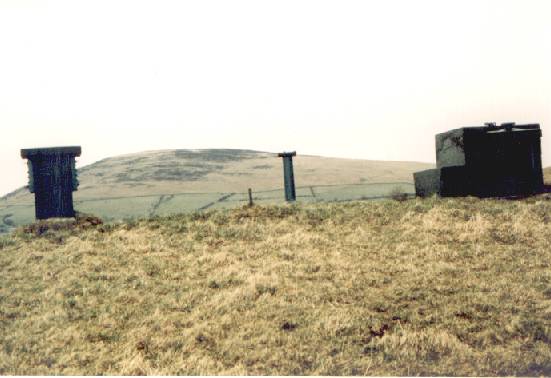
x=120 y=207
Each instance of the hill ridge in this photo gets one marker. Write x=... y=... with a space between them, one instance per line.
x=182 y=180
x=185 y=165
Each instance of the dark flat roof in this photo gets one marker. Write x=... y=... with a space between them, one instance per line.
x=68 y=150
x=287 y=154
x=506 y=127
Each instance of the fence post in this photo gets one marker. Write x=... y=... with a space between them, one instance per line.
x=52 y=179
x=251 y=197
x=288 y=175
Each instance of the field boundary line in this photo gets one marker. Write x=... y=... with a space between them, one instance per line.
x=221 y=199
x=364 y=184
x=144 y=196
x=162 y=199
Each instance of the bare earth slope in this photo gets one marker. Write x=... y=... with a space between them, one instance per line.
x=175 y=181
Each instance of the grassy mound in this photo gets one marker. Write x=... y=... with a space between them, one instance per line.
x=432 y=287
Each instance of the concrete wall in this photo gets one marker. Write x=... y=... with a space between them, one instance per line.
x=450 y=150
x=427 y=182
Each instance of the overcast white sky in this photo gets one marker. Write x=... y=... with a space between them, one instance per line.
x=358 y=79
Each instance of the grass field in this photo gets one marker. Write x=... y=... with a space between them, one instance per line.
x=418 y=287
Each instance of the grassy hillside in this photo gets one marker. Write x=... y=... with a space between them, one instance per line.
x=431 y=287
x=176 y=181
x=547 y=175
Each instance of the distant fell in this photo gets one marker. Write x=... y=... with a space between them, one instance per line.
x=157 y=183
x=221 y=170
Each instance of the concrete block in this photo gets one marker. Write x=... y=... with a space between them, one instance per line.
x=427 y=182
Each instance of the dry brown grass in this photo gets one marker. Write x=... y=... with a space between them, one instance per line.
x=432 y=287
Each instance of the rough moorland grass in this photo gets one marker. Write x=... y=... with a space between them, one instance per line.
x=432 y=287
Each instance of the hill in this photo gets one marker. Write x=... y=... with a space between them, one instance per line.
x=547 y=175
x=175 y=181
x=421 y=287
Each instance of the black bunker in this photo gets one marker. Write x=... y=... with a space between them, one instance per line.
x=52 y=179
x=487 y=161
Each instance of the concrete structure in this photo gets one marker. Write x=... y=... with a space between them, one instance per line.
x=487 y=161
x=288 y=175
x=52 y=179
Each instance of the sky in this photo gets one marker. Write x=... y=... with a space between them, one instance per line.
x=355 y=79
